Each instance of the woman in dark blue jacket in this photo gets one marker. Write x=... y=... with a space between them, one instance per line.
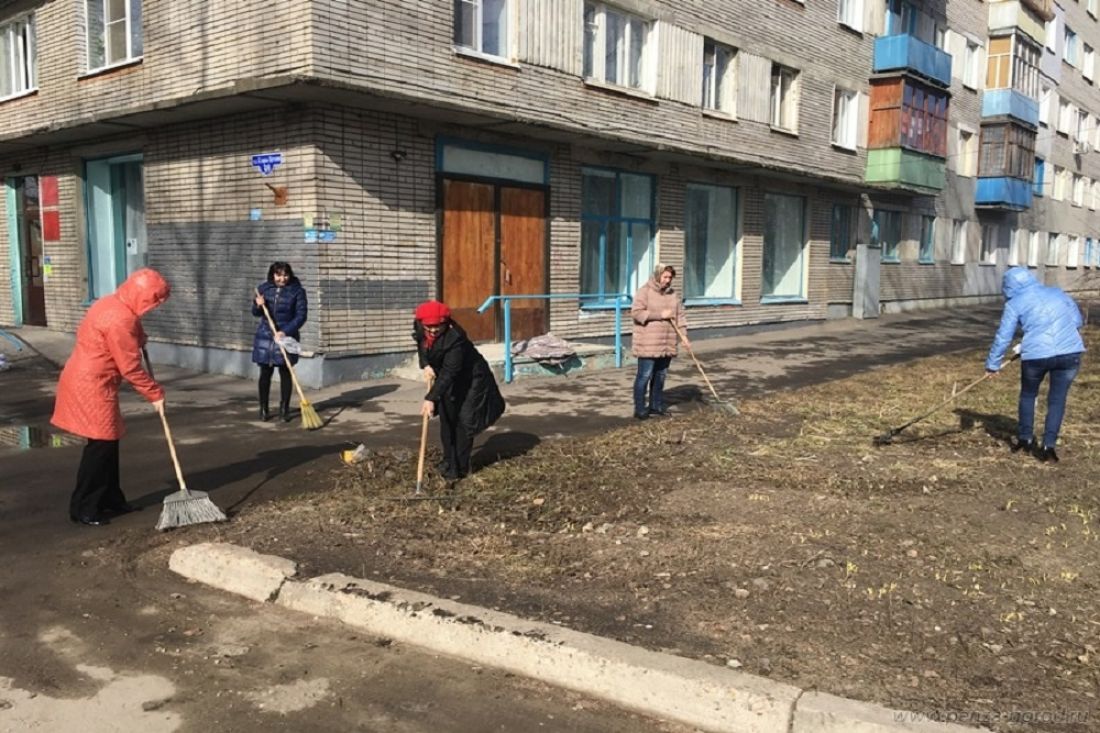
x=1052 y=344
x=286 y=302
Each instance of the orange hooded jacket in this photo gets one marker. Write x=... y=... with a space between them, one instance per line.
x=108 y=350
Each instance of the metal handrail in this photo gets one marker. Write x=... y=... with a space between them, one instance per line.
x=620 y=300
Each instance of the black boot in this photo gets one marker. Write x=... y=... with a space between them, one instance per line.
x=265 y=391
x=265 y=413
x=284 y=411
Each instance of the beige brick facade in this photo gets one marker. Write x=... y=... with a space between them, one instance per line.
x=357 y=96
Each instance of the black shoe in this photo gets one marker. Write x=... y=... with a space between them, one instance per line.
x=284 y=412
x=265 y=413
x=1047 y=455
x=1023 y=445
x=641 y=415
x=90 y=521
x=663 y=412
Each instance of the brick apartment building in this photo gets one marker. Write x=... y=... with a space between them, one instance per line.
x=795 y=159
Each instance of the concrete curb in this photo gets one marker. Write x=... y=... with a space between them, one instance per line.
x=704 y=695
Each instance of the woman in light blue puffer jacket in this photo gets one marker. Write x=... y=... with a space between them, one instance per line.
x=1052 y=344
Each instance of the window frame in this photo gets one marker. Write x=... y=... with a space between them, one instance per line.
x=846 y=234
x=608 y=300
x=966 y=156
x=477 y=48
x=719 y=94
x=926 y=247
x=849 y=127
x=888 y=226
x=1070 y=47
x=783 y=109
x=987 y=247
x=971 y=75
x=1051 y=259
x=595 y=45
x=849 y=13
x=23 y=50
x=733 y=256
x=960 y=241
x=134 y=32
x=1006 y=151
x=1038 y=177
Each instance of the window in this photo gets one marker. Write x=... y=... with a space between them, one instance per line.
x=616 y=47
x=1052 y=249
x=845 y=118
x=958 y=243
x=1046 y=103
x=966 y=156
x=719 y=78
x=1058 y=193
x=1066 y=116
x=1089 y=255
x=1073 y=251
x=1088 y=67
x=1092 y=7
x=616 y=233
x=1052 y=34
x=784 y=248
x=850 y=13
x=927 y=253
x=1078 y=190
x=1069 y=49
x=886 y=227
x=1081 y=128
x=924 y=119
x=482 y=26
x=1033 y=249
x=18 y=57
x=784 y=98
x=970 y=64
x=1095 y=203
x=1040 y=174
x=1007 y=151
x=1017 y=240
x=710 y=242
x=840 y=236
x=987 y=255
x=114 y=32
x=1026 y=57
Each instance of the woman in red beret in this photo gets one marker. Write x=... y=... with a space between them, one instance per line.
x=463 y=390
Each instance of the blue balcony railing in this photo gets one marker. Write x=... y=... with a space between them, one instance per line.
x=908 y=53
x=1006 y=193
x=1010 y=103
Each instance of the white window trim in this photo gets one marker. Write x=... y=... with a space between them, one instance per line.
x=30 y=55
x=959 y=241
x=478 y=52
x=130 y=57
x=971 y=76
x=791 y=101
x=850 y=133
x=725 y=94
x=966 y=160
x=599 y=70
x=855 y=14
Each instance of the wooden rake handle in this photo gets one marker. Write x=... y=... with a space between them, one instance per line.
x=167 y=430
x=423 y=444
x=286 y=359
x=699 y=366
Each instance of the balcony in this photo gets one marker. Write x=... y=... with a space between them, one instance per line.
x=909 y=53
x=1010 y=103
x=1004 y=17
x=905 y=169
x=1003 y=193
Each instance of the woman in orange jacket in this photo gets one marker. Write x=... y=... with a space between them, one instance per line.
x=108 y=350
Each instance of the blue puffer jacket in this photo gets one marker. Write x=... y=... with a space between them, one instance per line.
x=288 y=307
x=1050 y=319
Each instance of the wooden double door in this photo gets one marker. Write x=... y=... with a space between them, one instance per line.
x=494 y=243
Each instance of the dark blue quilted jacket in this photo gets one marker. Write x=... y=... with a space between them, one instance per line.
x=288 y=306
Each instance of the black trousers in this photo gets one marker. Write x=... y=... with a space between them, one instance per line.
x=97 y=484
x=457 y=440
x=285 y=385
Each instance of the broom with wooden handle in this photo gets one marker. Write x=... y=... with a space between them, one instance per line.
x=183 y=507
x=310 y=419
x=423 y=448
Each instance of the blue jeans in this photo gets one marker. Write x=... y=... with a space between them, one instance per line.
x=651 y=375
x=1062 y=369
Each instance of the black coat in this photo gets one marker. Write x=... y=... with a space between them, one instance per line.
x=463 y=379
x=289 y=309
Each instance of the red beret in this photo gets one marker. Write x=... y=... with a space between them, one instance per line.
x=432 y=313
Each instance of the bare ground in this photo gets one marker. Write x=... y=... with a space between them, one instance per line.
x=939 y=574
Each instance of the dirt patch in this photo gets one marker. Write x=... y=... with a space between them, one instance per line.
x=939 y=574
